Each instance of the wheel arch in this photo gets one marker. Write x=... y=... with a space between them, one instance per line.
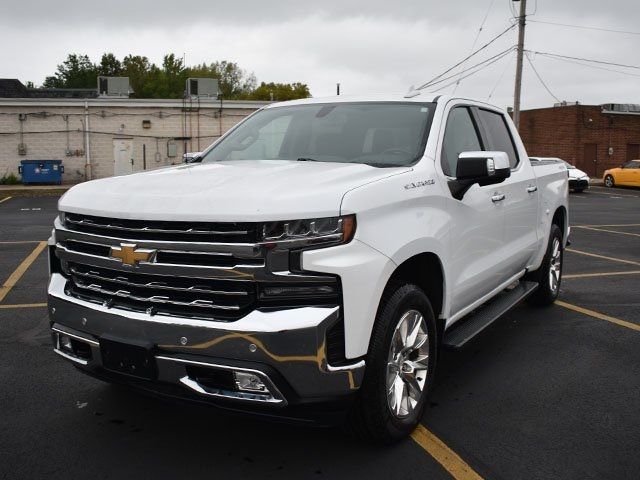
x=426 y=271
x=560 y=219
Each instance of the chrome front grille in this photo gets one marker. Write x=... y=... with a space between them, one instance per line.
x=212 y=278
x=163 y=230
x=157 y=294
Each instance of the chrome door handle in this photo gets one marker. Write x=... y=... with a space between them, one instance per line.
x=498 y=197
x=532 y=189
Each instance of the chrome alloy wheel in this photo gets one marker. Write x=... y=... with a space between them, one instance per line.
x=408 y=364
x=555 y=267
x=608 y=181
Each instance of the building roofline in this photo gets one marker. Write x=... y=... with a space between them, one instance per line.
x=131 y=103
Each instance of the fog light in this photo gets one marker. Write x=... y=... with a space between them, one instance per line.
x=249 y=382
x=65 y=343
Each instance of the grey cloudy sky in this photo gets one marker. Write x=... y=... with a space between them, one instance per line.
x=367 y=45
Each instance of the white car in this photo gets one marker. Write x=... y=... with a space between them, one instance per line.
x=578 y=180
x=315 y=262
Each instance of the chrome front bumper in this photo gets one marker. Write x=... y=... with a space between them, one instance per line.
x=285 y=348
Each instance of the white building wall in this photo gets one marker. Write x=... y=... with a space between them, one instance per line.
x=45 y=131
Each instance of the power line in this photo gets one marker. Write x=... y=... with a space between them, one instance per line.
x=594 y=66
x=475 y=40
x=506 y=67
x=479 y=64
x=484 y=65
x=540 y=78
x=585 y=27
x=425 y=85
x=584 y=59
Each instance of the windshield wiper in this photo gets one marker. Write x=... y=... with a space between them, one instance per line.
x=308 y=159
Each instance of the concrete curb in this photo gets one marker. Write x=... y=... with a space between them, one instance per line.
x=33 y=190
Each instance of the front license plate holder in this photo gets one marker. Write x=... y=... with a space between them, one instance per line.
x=128 y=358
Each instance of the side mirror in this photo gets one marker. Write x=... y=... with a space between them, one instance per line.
x=483 y=168
x=191 y=157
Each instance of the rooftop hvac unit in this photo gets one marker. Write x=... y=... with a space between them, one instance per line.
x=202 y=87
x=114 y=87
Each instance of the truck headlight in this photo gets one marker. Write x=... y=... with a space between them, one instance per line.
x=311 y=232
x=62 y=218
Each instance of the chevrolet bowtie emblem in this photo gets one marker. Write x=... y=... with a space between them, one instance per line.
x=130 y=255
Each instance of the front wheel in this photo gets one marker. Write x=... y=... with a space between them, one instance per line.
x=609 y=181
x=400 y=367
x=549 y=275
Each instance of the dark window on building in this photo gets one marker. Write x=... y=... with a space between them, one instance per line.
x=460 y=135
x=498 y=134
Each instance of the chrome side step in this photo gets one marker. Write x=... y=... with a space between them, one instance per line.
x=475 y=322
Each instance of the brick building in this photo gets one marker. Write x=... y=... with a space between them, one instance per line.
x=96 y=137
x=592 y=137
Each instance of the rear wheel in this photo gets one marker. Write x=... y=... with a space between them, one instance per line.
x=400 y=367
x=609 y=181
x=549 y=275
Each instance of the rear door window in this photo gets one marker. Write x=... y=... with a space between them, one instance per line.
x=498 y=135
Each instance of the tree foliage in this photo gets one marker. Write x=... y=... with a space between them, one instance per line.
x=168 y=80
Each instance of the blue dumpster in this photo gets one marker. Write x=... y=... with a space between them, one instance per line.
x=41 y=171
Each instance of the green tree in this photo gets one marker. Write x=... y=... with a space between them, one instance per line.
x=233 y=82
x=110 y=66
x=280 y=91
x=76 y=71
x=168 y=80
x=138 y=69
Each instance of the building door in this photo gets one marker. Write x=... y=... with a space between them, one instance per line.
x=122 y=156
x=590 y=159
x=633 y=151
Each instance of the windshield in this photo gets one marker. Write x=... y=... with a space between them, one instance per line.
x=378 y=134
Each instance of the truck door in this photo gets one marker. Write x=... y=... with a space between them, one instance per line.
x=520 y=191
x=477 y=222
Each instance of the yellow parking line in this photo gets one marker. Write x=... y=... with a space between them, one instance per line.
x=18 y=272
x=609 y=231
x=450 y=460
x=610 y=225
x=620 y=260
x=17 y=242
x=5 y=199
x=23 y=305
x=598 y=315
x=599 y=274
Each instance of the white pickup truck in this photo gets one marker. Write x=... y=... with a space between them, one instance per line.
x=315 y=261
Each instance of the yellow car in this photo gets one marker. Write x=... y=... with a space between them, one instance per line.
x=627 y=174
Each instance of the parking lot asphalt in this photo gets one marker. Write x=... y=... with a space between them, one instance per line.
x=543 y=393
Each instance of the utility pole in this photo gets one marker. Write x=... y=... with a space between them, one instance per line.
x=518 y=88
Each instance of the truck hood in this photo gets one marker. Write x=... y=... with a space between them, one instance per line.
x=246 y=190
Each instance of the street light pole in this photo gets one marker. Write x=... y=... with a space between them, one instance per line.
x=520 y=53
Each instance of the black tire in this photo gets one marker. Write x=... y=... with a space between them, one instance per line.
x=371 y=418
x=609 y=181
x=547 y=292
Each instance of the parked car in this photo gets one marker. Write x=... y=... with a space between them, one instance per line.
x=578 y=180
x=314 y=263
x=627 y=174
